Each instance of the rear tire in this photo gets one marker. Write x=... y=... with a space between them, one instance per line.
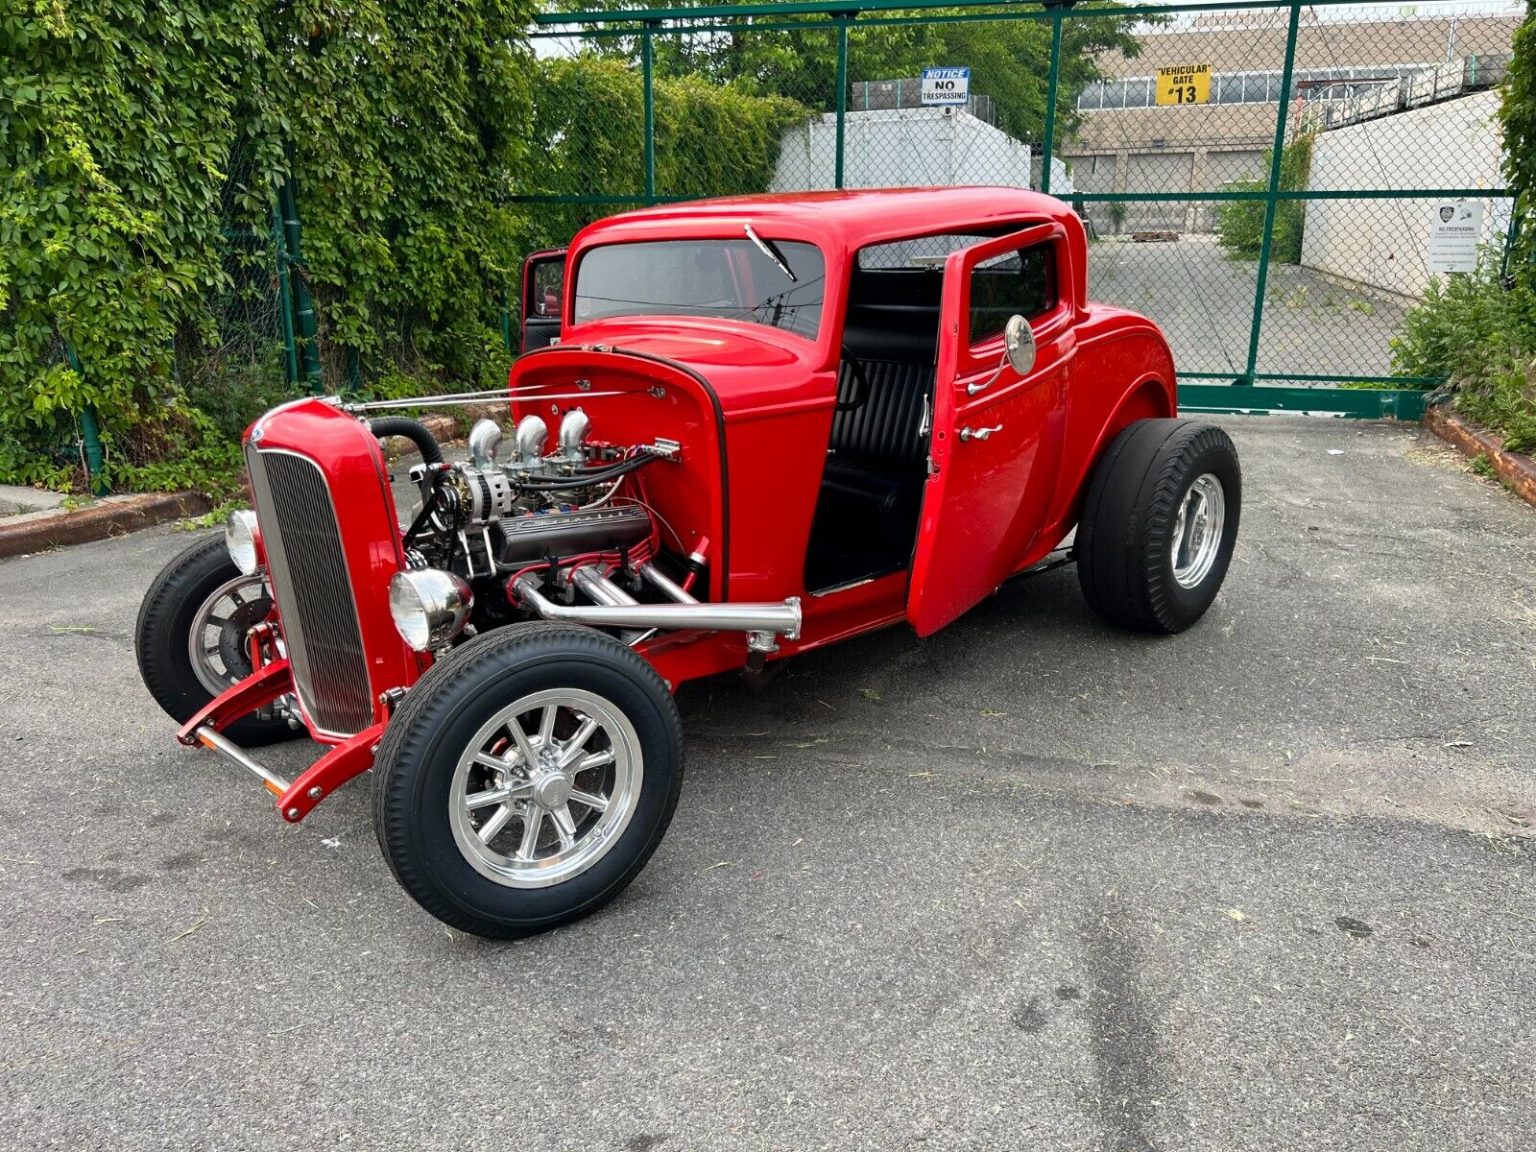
x=1159 y=524
x=527 y=778
x=202 y=591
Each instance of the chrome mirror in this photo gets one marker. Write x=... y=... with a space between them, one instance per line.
x=1019 y=344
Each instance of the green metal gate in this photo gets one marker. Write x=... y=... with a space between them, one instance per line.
x=1274 y=183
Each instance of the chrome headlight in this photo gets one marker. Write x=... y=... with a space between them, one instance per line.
x=429 y=606
x=240 y=537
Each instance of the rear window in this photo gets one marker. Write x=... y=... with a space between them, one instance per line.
x=725 y=279
x=929 y=251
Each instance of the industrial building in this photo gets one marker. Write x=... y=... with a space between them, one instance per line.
x=1351 y=66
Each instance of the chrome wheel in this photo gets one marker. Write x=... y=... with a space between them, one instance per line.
x=545 y=788
x=1197 y=531
x=216 y=640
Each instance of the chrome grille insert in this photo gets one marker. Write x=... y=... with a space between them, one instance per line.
x=302 y=538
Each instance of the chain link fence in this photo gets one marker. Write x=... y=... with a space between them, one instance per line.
x=238 y=352
x=1275 y=184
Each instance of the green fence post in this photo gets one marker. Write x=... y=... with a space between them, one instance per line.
x=303 y=306
x=1053 y=78
x=1277 y=156
x=842 y=97
x=648 y=81
x=284 y=297
x=90 y=430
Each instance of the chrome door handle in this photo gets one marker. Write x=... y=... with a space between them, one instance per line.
x=979 y=433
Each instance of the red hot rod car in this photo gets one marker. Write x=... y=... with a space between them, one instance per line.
x=767 y=424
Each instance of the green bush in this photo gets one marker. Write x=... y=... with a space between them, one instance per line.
x=1240 y=223
x=134 y=138
x=1481 y=335
x=589 y=132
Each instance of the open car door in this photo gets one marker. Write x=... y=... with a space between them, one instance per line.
x=543 y=298
x=995 y=450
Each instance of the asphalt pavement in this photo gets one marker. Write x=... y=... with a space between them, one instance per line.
x=1028 y=884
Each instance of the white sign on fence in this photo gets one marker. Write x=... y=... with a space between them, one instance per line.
x=1455 y=231
x=946 y=85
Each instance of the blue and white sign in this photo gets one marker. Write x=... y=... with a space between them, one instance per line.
x=946 y=86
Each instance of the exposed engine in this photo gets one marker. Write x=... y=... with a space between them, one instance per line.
x=563 y=535
x=486 y=516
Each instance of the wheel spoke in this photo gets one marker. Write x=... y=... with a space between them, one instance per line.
x=234 y=594
x=495 y=824
x=547 y=724
x=216 y=622
x=594 y=760
x=524 y=749
x=485 y=799
x=495 y=763
x=565 y=825
x=533 y=818
x=591 y=800
x=578 y=742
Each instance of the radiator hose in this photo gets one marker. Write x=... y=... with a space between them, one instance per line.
x=412 y=430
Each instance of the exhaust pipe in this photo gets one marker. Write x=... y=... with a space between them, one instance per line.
x=782 y=619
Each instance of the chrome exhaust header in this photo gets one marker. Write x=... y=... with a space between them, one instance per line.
x=781 y=619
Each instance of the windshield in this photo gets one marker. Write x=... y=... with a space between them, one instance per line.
x=726 y=279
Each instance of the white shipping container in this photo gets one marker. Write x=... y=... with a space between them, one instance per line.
x=901 y=148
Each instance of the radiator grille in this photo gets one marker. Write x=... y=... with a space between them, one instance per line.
x=313 y=591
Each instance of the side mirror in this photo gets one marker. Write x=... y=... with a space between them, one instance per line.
x=1019 y=344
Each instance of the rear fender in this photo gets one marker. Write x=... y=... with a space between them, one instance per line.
x=1148 y=397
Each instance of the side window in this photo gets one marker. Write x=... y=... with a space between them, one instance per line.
x=1022 y=282
x=546 y=288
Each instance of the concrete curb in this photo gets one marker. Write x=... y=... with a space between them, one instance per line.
x=1518 y=471
x=109 y=516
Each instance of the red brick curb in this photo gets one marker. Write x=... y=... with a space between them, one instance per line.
x=109 y=516
x=1517 y=470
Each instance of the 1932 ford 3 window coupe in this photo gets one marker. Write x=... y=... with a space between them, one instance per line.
x=766 y=425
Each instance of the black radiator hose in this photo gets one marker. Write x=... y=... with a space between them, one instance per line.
x=412 y=430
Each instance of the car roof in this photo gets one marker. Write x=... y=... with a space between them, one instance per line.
x=847 y=219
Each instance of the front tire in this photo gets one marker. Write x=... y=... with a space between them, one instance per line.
x=1159 y=524
x=527 y=778
x=190 y=637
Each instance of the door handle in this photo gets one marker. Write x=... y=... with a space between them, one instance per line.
x=979 y=433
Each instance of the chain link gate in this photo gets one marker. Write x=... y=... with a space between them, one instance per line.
x=1274 y=183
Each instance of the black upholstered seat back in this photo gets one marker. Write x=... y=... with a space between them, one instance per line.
x=885 y=428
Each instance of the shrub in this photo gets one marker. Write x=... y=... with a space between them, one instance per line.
x=1240 y=223
x=1479 y=332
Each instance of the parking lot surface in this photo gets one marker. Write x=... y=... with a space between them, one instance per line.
x=1031 y=883
x=1203 y=301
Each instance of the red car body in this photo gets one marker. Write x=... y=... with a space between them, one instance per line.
x=760 y=401
x=752 y=407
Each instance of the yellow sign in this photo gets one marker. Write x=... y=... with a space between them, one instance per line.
x=1185 y=84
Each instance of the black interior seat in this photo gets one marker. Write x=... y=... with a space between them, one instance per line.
x=872 y=489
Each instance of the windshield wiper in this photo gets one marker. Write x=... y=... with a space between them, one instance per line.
x=770 y=250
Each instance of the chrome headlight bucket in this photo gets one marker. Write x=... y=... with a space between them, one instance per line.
x=429 y=606
x=242 y=539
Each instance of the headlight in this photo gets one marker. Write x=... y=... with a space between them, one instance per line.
x=240 y=536
x=429 y=606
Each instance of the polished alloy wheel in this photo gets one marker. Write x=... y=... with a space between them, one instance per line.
x=545 y=788
x=216 y=640
x=1197 y=531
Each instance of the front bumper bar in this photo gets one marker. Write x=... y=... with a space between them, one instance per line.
x=352 y=757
